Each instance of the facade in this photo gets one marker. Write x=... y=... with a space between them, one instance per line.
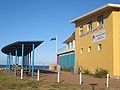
x=97 y=39
x=66 y=55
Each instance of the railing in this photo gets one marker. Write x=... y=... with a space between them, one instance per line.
x=64 y=49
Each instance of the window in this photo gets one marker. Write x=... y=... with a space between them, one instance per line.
x=100 y=20
x=99 y=47
x=71 y=45
x=89 y=49
x=81 y=50
x=89 y=25
x=81 y=30
x=68 y=46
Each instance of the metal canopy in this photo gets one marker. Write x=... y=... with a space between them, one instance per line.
x=11 y=48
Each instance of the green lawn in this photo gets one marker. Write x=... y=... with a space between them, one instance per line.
x=8 y=82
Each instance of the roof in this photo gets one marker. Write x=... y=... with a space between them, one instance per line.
x=70 y=38
x=18 y=45
x=96 y=10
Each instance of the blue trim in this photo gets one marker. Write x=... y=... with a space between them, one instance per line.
x=7 y=63
x=22 y=55
x=30 y=60
x=33 y=61
x=15 y=61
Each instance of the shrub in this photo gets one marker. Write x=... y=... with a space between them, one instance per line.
x=66 y=69
x=100 y=73
x=86 y=72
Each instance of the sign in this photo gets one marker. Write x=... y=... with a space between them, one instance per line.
x=98 y=36
x=98 y=28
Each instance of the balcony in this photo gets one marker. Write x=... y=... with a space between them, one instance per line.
x=64 y=50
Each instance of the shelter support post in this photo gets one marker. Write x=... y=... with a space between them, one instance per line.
x=15 y=62
x=33 y=61
x=22 y=61
x=7 y=63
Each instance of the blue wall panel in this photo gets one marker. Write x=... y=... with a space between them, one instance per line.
x=67 y=60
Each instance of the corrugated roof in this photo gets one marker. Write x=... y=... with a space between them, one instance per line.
x=18 y=46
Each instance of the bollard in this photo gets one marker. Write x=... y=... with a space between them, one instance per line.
x=21 y=73
x=80 y=78
x=58 y=77
x=107 y=83
x=38 y=76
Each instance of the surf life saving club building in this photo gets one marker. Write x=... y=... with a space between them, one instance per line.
x=97 y=40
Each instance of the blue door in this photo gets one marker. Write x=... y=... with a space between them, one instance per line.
x=67 y=60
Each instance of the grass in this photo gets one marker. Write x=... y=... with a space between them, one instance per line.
x=8 y=82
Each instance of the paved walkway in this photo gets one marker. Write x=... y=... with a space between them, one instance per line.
x=69 y=78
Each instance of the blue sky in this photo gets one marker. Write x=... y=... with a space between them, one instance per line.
x=41 y=20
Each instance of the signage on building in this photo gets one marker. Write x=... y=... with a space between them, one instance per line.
x=98 y=28
x=98 y=36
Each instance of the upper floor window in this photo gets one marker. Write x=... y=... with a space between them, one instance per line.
x=81 y=30
x=71 y=45
x=89 y=49
x=89 y=25
x=99 y=47
x=68 y=46
x=100 y=20
x=81 y=50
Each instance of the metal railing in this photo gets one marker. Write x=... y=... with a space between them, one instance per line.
x=64 y=49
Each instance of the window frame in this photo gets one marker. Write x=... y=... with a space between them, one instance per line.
x=81 y=50
x=99 y=47
x=100 y=20
x=89 y=25
x=81 y=31
x=89 y=49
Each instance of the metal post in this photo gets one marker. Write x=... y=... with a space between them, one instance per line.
x=15 y=62
x=107 y=82
x=21 y=73
x=38 y=76
x=33 y=61
x=18 y=60
x=56 y=51
x=58 y=79
x=22 y=61
x=30 y=61
x=80 y=78
x=22 y=55
x=7 y=63
x=11 y=60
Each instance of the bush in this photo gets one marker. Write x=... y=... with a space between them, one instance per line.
x=86 y=72
x=100 y=73
x=66 y=69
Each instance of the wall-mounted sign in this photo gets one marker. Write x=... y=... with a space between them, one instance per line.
x=98 y=36
x=98 y=28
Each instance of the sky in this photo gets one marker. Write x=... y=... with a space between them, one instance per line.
x=26 y=20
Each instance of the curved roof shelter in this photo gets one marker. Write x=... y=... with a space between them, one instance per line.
x=24 y=49
x=11 y=48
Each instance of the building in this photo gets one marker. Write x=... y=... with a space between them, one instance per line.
x=66 y=55
x=97 y=39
